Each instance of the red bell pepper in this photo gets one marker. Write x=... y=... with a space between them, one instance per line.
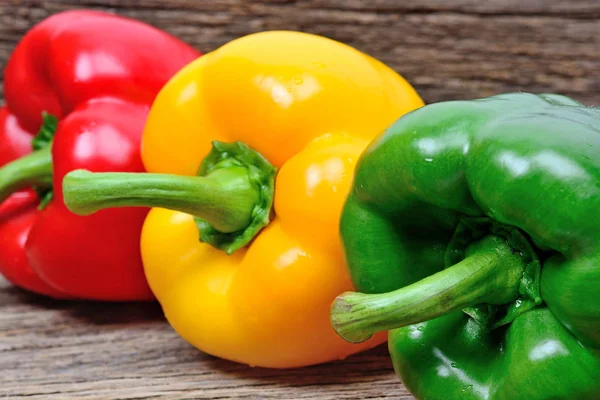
x=94 y=75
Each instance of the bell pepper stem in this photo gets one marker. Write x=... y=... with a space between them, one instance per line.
x=231 y=198
x=490 y=273
x=34 y=169
x=225 y=198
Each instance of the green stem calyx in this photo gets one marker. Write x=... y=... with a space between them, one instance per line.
x=34 y=169
x=231 y=197
x=490 y=273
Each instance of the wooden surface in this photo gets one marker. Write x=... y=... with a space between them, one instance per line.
x=64 y=350
x=447 y=49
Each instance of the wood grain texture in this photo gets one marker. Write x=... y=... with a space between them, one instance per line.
x=64 y=350
x=449 y=49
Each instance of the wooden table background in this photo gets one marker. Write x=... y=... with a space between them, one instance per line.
x=447 y=49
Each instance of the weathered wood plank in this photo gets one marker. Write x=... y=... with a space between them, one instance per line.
x=447 y=49
x=58 y=350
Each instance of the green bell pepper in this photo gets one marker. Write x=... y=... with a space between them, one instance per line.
x=473 y=232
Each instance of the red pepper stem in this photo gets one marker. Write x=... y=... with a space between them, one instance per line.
x=490 y=273
x=34 y=169
x=225 y=198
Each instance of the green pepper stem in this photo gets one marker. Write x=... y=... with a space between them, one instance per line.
x=34 y=169
x=225 y=198
x=490 y=273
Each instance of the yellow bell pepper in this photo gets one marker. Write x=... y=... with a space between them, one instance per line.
x=304 y=105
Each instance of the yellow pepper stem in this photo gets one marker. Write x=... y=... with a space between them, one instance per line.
x=225 y=199
x=231 y=200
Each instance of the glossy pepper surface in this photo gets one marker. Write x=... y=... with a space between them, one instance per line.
x=85 y=81
x=300 y=104
x=472 y=231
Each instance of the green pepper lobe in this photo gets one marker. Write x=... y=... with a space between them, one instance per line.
x=446 y=206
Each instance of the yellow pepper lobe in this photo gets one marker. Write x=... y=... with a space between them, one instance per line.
x=310 y=106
